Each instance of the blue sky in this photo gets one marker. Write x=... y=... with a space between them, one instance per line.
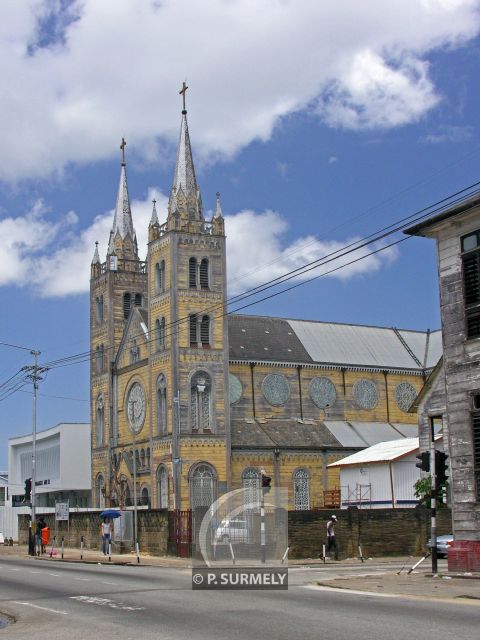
x=317 y=124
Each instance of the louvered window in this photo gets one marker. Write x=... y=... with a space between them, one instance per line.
x=204 y=274
x=471 y=283
x=127 y=303
x=192 y=273
x=476 y=449
x=205 y=331
x=138 y=299
x=192 y=327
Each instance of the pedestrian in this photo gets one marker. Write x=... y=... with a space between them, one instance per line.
x=106 y=533
x=331 y=539
x=41 y=524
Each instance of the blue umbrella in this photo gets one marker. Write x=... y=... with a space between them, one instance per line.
x=110 y=513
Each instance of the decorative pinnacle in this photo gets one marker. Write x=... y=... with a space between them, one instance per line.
x=122 y=147
x=182 y=92
x=154 y=219
x=218 y=207
x=96 y=256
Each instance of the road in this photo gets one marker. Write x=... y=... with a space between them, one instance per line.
x=65 y=600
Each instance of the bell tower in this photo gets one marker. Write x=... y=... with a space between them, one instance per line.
x=187 y=322
x=116 y=286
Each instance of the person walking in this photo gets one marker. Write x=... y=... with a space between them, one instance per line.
x=106 y=533
x=331 y=539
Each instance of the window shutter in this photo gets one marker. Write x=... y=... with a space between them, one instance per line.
x=471 y=278
x=205 y=330
x=193 y=330
x=192 y=273
x=127 y=302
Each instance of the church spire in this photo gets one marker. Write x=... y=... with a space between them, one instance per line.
x=122 y=235
x=218 y=207
x=185 y=195
x=96 y=255
x=154 y=218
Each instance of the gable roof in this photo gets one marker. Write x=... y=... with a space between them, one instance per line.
x=381 y=452
x=259 y=338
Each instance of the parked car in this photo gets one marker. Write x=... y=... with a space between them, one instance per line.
x=443 y=542
x=232 y=531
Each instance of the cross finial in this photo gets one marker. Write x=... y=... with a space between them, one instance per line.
x=182 y=92
x=122 y=147
x=154 y=202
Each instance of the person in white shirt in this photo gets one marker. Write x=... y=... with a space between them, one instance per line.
x=106 y=533
x=331 y=539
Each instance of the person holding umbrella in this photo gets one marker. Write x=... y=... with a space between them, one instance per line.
x=106 y=533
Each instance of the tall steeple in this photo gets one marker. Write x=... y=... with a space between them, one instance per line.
x=185 y=197
x=122 y=236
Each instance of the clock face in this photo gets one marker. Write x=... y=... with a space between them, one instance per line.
x=136 y=406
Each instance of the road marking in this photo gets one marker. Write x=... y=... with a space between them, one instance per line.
x=36 y=606
x=82 y=579
x=13 y=569
x=105 y=602
x=316 y=587
x=35 y=572
x=106 y=582
x=56 y=575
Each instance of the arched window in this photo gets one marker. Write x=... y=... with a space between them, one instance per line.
x=192 y=329
x=160 y=277
x=161 y=405
x=192 y=273
x=205 y=331
x=301 y=490
x=160 y=334
x=144 y=497
x=201 y=401
x=251 y=486
x=99 y=309
x=100 y=421
x=202 y=486
x=125 y=494
x=204 y=273
x=138 y=299
x=162 y=487
x=127 y=304
x=100 y=492
x=142 y=458
x=99 y=358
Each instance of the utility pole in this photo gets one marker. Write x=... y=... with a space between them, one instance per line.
x=175 y=452
x=33 y=374
x=433 y=498
x=134 y=432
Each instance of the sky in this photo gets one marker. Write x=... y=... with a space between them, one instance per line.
x=318 y=122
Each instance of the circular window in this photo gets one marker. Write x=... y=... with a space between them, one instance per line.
x=366 y=394
x=322 y=392
x=275 y=389
x=234 y=388
x=136 y=406
x=405 y=394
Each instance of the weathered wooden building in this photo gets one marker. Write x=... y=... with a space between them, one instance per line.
x=455 y=388
x=212 y=398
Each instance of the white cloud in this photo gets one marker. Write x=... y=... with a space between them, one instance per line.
x=76 y=79
x=54 y=259
x=449 y=133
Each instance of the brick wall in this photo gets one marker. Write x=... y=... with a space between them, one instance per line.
x=380 y=532
x=152 y=530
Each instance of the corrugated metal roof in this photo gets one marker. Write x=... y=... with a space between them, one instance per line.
x=344 y=433
x=355 y=344
x=407 y=430
x=381 y=452
x=374 y=432
x=435 y=349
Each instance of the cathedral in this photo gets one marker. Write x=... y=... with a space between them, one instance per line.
x=193 y=401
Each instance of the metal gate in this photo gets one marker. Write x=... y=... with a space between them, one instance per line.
x=180 y=532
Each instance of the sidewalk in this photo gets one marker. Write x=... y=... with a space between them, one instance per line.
x=415 y=585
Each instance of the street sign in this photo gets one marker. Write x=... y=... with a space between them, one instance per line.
x=61 y=511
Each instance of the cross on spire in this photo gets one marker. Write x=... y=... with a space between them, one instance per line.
x=182 y=92
x=122 y=147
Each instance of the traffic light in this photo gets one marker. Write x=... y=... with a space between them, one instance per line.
x=266 y=482
x=28 y=490
x=424 y=459
x=441 y=467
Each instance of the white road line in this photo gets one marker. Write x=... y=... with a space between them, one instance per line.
x=351 y=591
x=34 y=572
x=56 y=575
x=82 y=579
x=105 y=582
x=36 y=606
x=13 y=569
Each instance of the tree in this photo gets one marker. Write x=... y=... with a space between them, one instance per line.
x=423 y=491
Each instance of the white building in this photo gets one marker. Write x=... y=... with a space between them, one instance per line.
x=380 y=477
x=3 y=488
x=63 y=465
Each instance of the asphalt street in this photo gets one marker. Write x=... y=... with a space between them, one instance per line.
x=64 y=600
